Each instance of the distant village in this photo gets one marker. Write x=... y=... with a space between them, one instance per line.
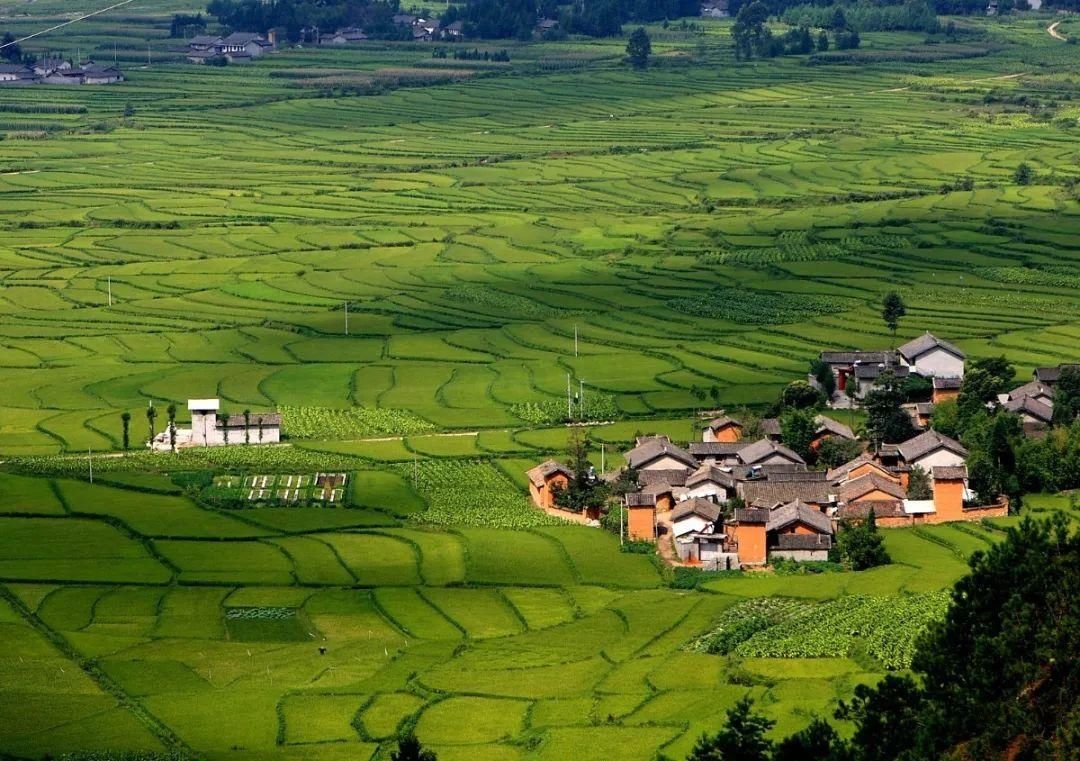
x=59 y=71
x=731 y=501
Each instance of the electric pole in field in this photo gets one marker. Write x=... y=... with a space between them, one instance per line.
x=581 y=397
x=110 y=290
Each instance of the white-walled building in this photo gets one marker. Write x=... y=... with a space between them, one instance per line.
x=210 y=429
x=931 y=356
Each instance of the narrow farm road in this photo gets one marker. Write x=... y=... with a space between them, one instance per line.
x=1053 y=32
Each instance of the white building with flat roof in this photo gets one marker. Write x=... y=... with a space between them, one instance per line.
x=209 y=428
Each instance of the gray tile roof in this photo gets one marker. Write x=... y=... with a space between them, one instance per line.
x=666 y=476
x=539 y=475
x=871 y=372
x=949 y=472
x=703 y=508
x=1051 y=374
x=826 y=425
x=720 y=422
x=868 y=482
x=787 y=491
x=751 y=515
x=656 y=447
x=637 y=499
x=1032 y=406
x=851 y=357
x=802 y=542
x=770 y=426
x=710 y=473
x=841 y=471
x=882 y=509
x=763 y=449
x=237 y=421
x=927 y=442
x=1031 y=388
x=799 y=512
x=947 y=384
x=926 y=342
x=716 y=448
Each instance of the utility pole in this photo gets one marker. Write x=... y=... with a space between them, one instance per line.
x=110 y=290
x=581 y=397
x=148 y=55
x=346 y=318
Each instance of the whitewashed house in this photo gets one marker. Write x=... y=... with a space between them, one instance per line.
x=932 y=357
x=210 y=429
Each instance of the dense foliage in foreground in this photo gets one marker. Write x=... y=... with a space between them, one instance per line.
x=999 y=677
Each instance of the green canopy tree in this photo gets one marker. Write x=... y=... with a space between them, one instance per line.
x=798 y=427
x=410 y=749
x=741 y=739
x=639 y=48
x=125 y=422
x=892 y=309
x=1067 y=396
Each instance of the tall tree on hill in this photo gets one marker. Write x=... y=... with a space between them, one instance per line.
x=818 y=742
x=749 y=31
x=860 y=545
x=171 y=410
x=585 y=490
x=125 y=422
x=892 y=309
x=12 y=53
x=151 y=416
x=247 y=426
x=639 y=48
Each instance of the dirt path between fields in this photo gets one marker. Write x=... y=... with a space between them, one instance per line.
x=1053 y=32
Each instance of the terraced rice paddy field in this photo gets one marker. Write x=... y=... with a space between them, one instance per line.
x=702 y=224
x=135 y=618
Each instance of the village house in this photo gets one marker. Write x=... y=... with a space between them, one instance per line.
x=945 y=389
x=546 y=479
x=658 y=453
x=930 y=449
x=797 y=531
x=827 y=427
x=1050 y=375
x=210 y=429
x=345 y=36
x=932 y=357
x=722 y=429
x=238 y=47
x=15 y=73
x=52 y=71
x=698 y=534
x=640 y=517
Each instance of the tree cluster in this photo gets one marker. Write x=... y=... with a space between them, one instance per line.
x=185 y=24
x=864 y=16
x=998 y=678
x=754 y=39
x=12 y=53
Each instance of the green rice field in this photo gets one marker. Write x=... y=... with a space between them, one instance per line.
x=137 y=620
x=498 y=235
x=700 y=224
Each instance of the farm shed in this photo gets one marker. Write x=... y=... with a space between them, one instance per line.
x=547 y=478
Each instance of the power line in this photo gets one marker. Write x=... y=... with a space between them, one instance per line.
x=61 y=26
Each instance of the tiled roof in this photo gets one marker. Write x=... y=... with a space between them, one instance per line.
x=751 y=515
x=881 y=508
x=770 y=426
x=665 y=476
x=539 y=475
x=827 y=425
x=654 y=448
x=949 y=472
x=924 y=343
x=841 y=471
x=1031 y=406
x=947 y=384
x=716 y=448
x=1051 y=374
x=703 y=508
x=764 y=448
x=799 y=512
x=788 y=491
x=637 y=499
x=1032 y=388
x=709 y=473
x=927 y=442
x=720 y=422
x=802 y=542
x=851 y=357
x=868 y=482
